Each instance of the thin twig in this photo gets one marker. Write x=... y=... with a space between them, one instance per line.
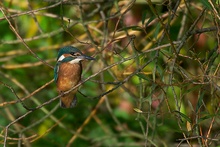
x=14 y=30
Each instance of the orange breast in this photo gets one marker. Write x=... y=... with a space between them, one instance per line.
x=69 y=75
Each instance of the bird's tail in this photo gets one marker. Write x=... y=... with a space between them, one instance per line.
x=68 y=101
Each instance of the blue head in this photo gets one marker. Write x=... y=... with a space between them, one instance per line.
x=71 y=55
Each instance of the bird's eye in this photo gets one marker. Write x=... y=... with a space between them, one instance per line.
x=74 y=54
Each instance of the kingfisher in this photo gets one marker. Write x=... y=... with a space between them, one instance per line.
x=67 y=74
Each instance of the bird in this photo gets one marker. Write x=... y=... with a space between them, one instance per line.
x=67 y=74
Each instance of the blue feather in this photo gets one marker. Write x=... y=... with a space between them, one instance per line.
x=56 y=69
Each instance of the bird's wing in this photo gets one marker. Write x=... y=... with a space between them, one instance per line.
x=56 y=69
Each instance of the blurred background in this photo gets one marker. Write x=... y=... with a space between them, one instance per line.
x=155 y=80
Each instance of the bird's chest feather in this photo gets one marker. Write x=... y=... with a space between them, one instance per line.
x=69 y=75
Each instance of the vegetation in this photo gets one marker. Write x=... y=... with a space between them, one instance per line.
x=155 y=80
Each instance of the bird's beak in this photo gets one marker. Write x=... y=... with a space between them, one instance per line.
x=85 y=57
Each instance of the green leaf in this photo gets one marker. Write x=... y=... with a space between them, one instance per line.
x=192 y=89
x=184 y=116
x=157 y=30
x=206 y=3
x=205 y=117
x=199 y=103
x=144 y=14
x=143 y=76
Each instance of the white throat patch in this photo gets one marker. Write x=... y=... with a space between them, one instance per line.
x=61 y=58
x=77 y=60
